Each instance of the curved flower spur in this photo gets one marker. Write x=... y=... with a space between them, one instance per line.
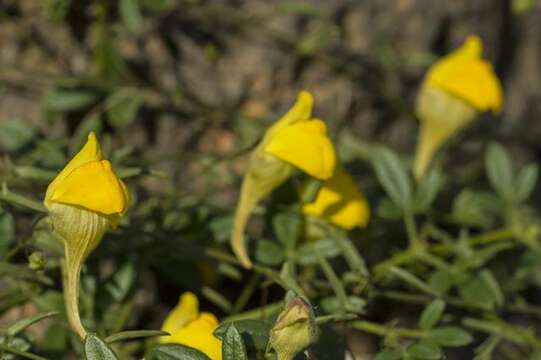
x=84 y=200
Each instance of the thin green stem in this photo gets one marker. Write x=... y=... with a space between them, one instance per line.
x=351 y=255
x=246 y=293
x=436 y=262
x=399 y=258
x=259 y=313
x=21 y=200
x=411 y=229
x=262 y=270
x=409 y=255
x=337 y=286
x=482 y=239
x=24 y=354
x=335 y=317
x=500 y=328
x=382 y=330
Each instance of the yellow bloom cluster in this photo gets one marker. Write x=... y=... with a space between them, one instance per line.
x=298 y=141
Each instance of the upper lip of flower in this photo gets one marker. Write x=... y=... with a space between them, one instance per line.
x=466 y=75
x=89 y=182
x=301 y=140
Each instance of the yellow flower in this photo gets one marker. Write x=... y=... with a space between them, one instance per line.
x=454 y=90
x=466 y=75
x=340 y=202
x=189 y=327
x=84 y=200
x=296 y=141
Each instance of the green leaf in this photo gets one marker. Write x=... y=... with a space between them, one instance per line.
x=425 y=350
x=54 y=339
x=134 y=334
x=431 y=314
x=499 y=168
x=122 y=281
x=50 y=300
x=7 y=231
x=177 y=352
x=68 y=99
x=255 y=333
x=308 y=252
x=428 y=189
x=268 y=252
x=451 y=336
x=158 y=4
x=521 y=6
x=26 y=322
x=221 y=228
x=232 y=345
x=310 y=190
x=332 y=305
x=411 y=279
x=216 y=298
x=15 y=134
x=131 y=15
x=477 y=292
x=388 y=210
x=388 y=355
x=473 y=208
x=34 y=173
x=288 y=228
x=97 y=349
x=123 y=105
x=492 y=284
x=485 y=350
x=57 y=10
x=16 y=348
x=441 y=282
x=392 y=176
x=525 y=182
x=108 y=62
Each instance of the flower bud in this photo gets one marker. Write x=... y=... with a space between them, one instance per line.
x=296 y=141
x=294 y=330
x=84 y=200
x=37 y=261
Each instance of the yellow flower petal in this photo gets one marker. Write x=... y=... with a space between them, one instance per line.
x=464 y=74
x=93 y=186
x=198 y=334
x=340 y=202
x=186 y=310
x=306 y=146
x=91 y=151
x=300 y=111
